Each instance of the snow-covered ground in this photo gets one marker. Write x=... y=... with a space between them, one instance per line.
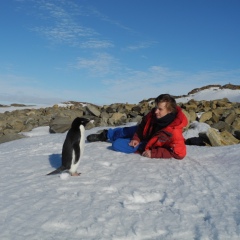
x=212 y=94
x=37 y=106
x=118 y=196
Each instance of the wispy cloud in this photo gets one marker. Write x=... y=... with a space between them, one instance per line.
x=65 y=33
x=96 y=44
x=103 y=17
x=62 y=23
x=101 y=64
x=141 y=45
x=64 y=28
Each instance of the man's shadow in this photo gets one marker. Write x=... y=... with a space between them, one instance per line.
x=55 y=160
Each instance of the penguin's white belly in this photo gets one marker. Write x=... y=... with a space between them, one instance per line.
x=74 y=166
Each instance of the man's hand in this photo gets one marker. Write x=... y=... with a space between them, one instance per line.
x=134 y=143
x=147 y=153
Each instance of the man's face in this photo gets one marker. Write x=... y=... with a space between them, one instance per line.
x=161 y=110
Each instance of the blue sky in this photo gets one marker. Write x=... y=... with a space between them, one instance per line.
x=107 y=51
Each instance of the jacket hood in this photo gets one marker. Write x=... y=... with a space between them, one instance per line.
x=180 y=121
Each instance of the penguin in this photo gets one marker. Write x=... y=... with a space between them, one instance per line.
x=73 y=147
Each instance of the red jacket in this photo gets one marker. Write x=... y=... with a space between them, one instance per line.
x=167 y=142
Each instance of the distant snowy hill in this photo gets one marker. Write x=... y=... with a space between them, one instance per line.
x=212 y=94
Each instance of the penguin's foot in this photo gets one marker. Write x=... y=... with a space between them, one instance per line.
x=75 y=174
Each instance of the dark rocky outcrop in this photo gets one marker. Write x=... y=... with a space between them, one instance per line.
x=222 y=115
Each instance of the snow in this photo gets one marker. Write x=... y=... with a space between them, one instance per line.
x=38 y=106
x=213 y=93
x=118 y=196
x=13 y=108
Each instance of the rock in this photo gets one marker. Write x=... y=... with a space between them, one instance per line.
x=192 y=116
x=191 y=107
x=117 y=119
x=136 y=119
x=217 y=139
x=10 y=137
x=188 y=117
x=129 y=107
x=223 y=102
x=205 y=116
x=110 y=110
x=220 y=114
x=237 y=134
x=31 y=112
x=136 y=109
x=18 y=105
x=9 y=131
x=16 y=124
x=94 y=110
x=215 y=117
x=221 y=126
x=132 y=114
x=44 y=121
x=60 y=125
x=89 y=125
x=230 y=118
x=228 y=138
x=104 y=117
x=236 y=124
x=237 y=110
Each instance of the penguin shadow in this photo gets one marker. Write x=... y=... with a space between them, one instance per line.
x=55 y=160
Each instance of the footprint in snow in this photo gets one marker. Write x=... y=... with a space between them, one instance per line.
x=137 y=198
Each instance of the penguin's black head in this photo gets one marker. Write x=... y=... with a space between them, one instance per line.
x=79 y=121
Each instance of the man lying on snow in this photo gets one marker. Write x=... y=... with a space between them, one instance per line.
x=159 y=135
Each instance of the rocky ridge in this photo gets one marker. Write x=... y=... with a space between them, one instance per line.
x=221 y=115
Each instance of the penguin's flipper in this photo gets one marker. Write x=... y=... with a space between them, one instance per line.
x=58 y=170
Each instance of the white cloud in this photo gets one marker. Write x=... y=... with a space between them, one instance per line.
x=65 y=33
x=103 y=17
x=141 y=45
x=100 y=64
x=61 y=24
x=92 y=43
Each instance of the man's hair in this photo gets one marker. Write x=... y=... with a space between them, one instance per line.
x=171 y=104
